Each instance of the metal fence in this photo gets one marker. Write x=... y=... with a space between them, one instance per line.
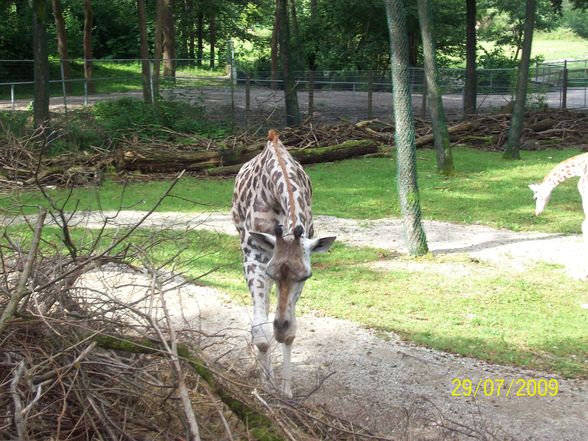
x=246 y=97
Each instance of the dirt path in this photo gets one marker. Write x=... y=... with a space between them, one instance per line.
x=392 y=387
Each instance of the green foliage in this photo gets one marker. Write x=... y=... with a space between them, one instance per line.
x=576 y=20
x=128 y=115
x=503 y=21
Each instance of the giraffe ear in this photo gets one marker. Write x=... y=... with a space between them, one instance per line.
x=264 y=240
x=321 y=245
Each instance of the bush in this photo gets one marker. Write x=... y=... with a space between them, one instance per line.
x=128 y=115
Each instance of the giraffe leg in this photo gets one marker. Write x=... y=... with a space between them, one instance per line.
x=261 y=329
x=286 y=370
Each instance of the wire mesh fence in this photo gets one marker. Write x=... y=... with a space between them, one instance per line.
x=244 y=97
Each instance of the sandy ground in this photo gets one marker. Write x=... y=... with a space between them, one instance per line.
x=394 y=388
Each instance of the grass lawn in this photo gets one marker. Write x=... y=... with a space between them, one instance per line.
x=486 y=190
x=453 y=303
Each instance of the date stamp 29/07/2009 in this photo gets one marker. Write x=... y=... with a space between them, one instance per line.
x=507 y=388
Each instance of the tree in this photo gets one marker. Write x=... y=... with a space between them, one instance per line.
x=61 y=41
x=41 y=102
x=471 y=80
x=275 y=46
x=518 y=111
x=88 y=45
x=404 y=133
x=158 y=49
x=290 y=95
x=144 y=48
x=169 y=39
x=438 y=119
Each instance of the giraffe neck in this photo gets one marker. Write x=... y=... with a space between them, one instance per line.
x=288 y=188
x=576 y=166
x=280 y=155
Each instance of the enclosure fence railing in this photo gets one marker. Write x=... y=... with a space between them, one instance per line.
x=246 y=96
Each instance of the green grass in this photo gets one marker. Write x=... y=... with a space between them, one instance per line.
x=108 y=77
x=532 y=318
x=453 y=303
x=552 y=47
x=486 y=190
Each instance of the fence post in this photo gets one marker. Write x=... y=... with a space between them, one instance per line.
x=233 y=80
x=12 y=98
x=424 y=99
x=151 y=85
x=247 y=98
x=311 y=73
x=370 y=94
x=564 y=90
x=63 y=88
x=85 y=91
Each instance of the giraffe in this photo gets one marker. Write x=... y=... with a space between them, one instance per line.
x=574 y=166
x=272 y=213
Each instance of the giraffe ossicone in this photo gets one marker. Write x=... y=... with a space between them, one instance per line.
x=272 y=213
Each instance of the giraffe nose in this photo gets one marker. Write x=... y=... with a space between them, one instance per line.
x=281 y=325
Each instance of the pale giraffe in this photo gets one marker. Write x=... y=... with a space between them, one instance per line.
x=272 y=213
x=575 y=166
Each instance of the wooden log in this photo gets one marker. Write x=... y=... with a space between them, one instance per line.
x=216 y=163
x=345 y=150
x=461 y=127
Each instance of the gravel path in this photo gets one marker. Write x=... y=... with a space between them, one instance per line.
x=392 y=387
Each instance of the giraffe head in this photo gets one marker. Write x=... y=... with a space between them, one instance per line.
x=541 y=194
x=289 y=267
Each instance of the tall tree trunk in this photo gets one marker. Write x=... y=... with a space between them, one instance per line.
x=62 y=42
x=518 y=110
x=88 y=46
x=290 y=95
x=312 y=50
x=200 y=37
x=404 y=129
x=275 y=45
x=212 y=40
x=471 y=77
x=169 y=39
x=438 y=119
x=158 y=49
x=191 y=30
x=145 y=74
x=294 y=20
x=41 y=102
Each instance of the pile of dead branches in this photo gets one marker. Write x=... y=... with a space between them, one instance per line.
x=27 y=161
x=80 y=362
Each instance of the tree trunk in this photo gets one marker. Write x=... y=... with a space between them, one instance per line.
x=274 y=49
x=158 y=49
x=294 y=20
x=145 y=74
x=290 y=95
x=169 y=39
x=212 y=39
x=404 y=129
x=88 y=46
x=62 y=42
x=200 y=39
x=471 y=77
x=518 y=110
x=191 y=30
x=41 y=101
x=438 y=119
